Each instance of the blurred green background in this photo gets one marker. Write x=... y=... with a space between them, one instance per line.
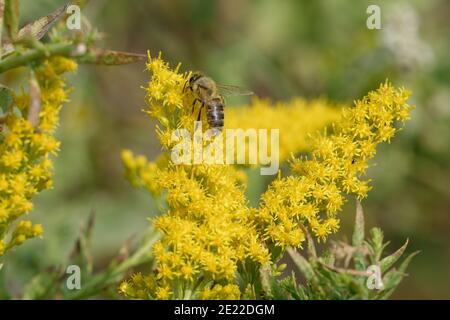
x=279 y=49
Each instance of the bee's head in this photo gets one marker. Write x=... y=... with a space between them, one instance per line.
x=194 y=77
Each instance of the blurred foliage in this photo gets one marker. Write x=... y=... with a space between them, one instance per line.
x=331 y=277
x=27 y=123
x=278 y=50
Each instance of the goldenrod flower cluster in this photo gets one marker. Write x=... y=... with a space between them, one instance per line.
x=213 y=243
x=168 y=100
x=206 y=229
x=315 y=193
x=25 y=164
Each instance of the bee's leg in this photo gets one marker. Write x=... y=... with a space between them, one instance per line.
x=193 y=104
x=185 y=86
x=198 y=117
x=200 y=112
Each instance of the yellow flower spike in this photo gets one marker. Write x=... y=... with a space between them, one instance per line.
x=124 y=288
x=188 y=272
x=219 y=292
x=37 y=230
x=163 y=293
x=25 y=167
x=4 y=183
x=19 y=239
x=4 y=213
x=62 y=65
x=338 y=162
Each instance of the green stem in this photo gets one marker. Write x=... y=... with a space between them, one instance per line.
x=2 y=11
x=22 y=59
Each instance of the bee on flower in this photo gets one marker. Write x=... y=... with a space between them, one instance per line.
x=212 y=242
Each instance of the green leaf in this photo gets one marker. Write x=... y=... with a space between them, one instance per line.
x=358 y=289
x=376 y=244
x=81 y=253
x=310 y=244
x=302 y=264
x=393 y=278
x=6 y=99
x=358 y=238
x=327 y=258
x=275 y=252
x=295 y=291
x=12 y=17
x=5 y=294
x=2 y=12
x=265 y=276
x=358 y=233
x=272 y=287
x=389 y=261
x=36 y=29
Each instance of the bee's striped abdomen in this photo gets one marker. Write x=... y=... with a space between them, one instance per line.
x=215 y=114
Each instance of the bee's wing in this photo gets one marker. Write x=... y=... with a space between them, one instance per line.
x=229 y=90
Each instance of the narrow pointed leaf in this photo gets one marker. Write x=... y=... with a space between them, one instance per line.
x=81 y=253
x=393 y=278
x=389 y=261
x=302 y=264
x=124 y=251
x=11 y=17
x=310 y=244
x=2 y=12
x=272 y=286
x=265 y=276
x=358 y=237
x=37 y=29
x=6 y=99
x=293 y=291
x=358 y=233
x=376 y=243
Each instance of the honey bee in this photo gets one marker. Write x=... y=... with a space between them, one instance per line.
x=210 y=94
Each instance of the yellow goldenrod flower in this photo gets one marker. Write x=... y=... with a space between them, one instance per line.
x=209 y=233
x=219 y=292
x=205 y=230
x=25 y=167
x=334 y=169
